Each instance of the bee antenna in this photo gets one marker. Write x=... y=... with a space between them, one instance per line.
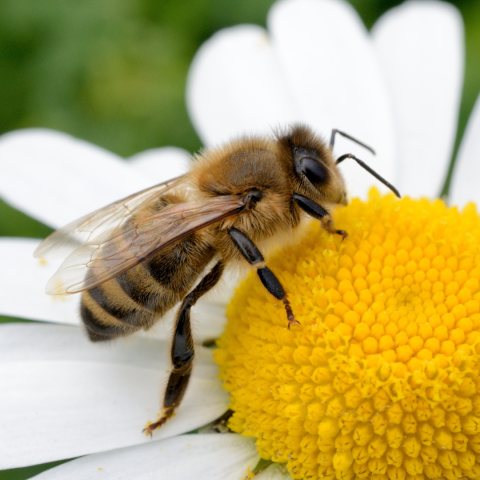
x=346 y=135
x=369 y=170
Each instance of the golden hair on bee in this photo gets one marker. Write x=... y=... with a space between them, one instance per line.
x=137 y=258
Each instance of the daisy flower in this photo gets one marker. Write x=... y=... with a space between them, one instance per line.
x=339 y=397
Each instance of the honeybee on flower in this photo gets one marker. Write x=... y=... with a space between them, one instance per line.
x=290 y=97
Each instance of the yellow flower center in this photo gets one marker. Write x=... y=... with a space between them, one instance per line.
x=381 y=379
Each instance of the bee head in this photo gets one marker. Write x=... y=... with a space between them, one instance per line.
x=314 y=173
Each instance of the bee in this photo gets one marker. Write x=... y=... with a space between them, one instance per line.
x=137 y=258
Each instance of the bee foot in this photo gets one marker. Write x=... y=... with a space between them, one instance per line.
x=343 y=233
x=291 y=319
x=149 y=430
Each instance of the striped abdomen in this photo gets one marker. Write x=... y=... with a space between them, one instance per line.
x=139 y=297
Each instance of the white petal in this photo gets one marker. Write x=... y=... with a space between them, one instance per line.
x=202 y=457
x=421 y=48
x=235 y=86
x=55 y=408
x=161 y=164
x=56 y=178
x=466 y=173
x=22 y=285
x=331 y=66
x=274 y=472
x=39 y=342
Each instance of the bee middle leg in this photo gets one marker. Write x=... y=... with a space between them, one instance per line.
x=317 y=211
x=254 y=257
x=182 y=351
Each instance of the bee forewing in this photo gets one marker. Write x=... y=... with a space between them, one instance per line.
x=64 y=241
x=117 y=250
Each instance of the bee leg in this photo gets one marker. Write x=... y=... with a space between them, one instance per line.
x=254 y=257
x=182 y=351
x=327 y=225
x=220 y=424
x=317 y=211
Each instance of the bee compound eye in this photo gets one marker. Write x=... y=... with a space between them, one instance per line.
x=313 y=170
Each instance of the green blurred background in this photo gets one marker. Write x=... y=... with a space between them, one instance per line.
x=113 y=72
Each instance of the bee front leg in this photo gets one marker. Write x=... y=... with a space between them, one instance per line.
x=254 y=257
x=317 y=211
x=182 y=351
x=327 y=225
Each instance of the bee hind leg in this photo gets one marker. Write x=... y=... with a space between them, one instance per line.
x=182 y=351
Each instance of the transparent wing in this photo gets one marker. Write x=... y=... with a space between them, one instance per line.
x=119 y=249
x=64 y=241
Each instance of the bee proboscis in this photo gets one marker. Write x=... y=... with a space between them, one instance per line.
x=138 y=257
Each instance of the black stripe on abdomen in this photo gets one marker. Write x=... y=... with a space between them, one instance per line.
x=97 y=332
x=142 y=296
x=164 y=272
x=134 y=317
